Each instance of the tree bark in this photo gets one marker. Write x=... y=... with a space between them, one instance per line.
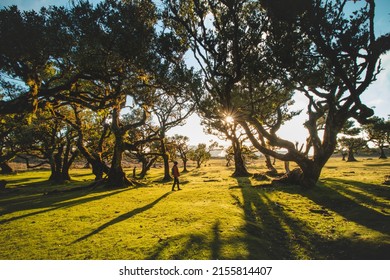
x=146 y=165
x=239 y=164
x=310 y=168
x=4 y=159
x=310 y=175
x=287 y=166
x=165 y=157
x=167 y=176
x=60 y=164
x=5 y=168
x=99 y=168
x=56 y=166
x=383 y=154
x=351 y=156
x=116 y=177
x=271 y=169
x=185 y=165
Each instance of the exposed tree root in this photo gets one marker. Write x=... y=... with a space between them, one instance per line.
x=293 y=177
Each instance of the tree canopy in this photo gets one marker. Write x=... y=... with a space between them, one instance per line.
x=99 y=62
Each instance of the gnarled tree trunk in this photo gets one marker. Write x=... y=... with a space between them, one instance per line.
x=240 y=169
x=5 y=168
x=116 y=176
x=382 y=151
x=351 y=156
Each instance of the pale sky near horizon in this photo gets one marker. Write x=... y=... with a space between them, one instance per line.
x=376 y=96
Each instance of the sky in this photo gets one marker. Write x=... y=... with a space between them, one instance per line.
x=376 y=96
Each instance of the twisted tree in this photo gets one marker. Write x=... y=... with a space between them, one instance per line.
x=256 y=54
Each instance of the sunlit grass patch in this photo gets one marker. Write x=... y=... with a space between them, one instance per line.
x=215 y=216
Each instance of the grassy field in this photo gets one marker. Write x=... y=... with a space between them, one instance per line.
x=215 y=216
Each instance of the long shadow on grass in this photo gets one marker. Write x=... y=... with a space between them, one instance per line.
x=332 y=198
x=122 y=217
x=266 y=237
x=378 y=164
x=216 y=243
x=375 y=190
x=25 y=181
x=180 y=247
x=275 y=232
x=308 y=244
x=189 y=246
x=50 y=204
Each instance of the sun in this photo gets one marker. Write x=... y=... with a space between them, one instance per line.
x=229 y=119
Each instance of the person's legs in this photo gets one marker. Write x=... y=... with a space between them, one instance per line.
x=176 y=182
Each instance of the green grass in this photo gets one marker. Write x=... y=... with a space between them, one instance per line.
x=215 y=216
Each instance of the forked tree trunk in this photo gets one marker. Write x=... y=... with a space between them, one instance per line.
x=94 y=159
x=57 y=176
x=56 y=166
x=116 y=177
x=60 y=164
x=146 y=165
x=99 y=168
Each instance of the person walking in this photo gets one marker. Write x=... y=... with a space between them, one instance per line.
x=176 y=175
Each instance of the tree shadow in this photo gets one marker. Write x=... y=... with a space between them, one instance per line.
x=216 y=243
x=46 y=197
x=376 y=190
x=265 y=236
x=122 y=218
x=23 y=180
x=334 y=200
x=387 y=164
x=361 y=192
x=39 y=187
x=273 y=232
x=188 y=246
x=81 y=175
x=315 y=246
x=169 y=248
x=48 y=203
